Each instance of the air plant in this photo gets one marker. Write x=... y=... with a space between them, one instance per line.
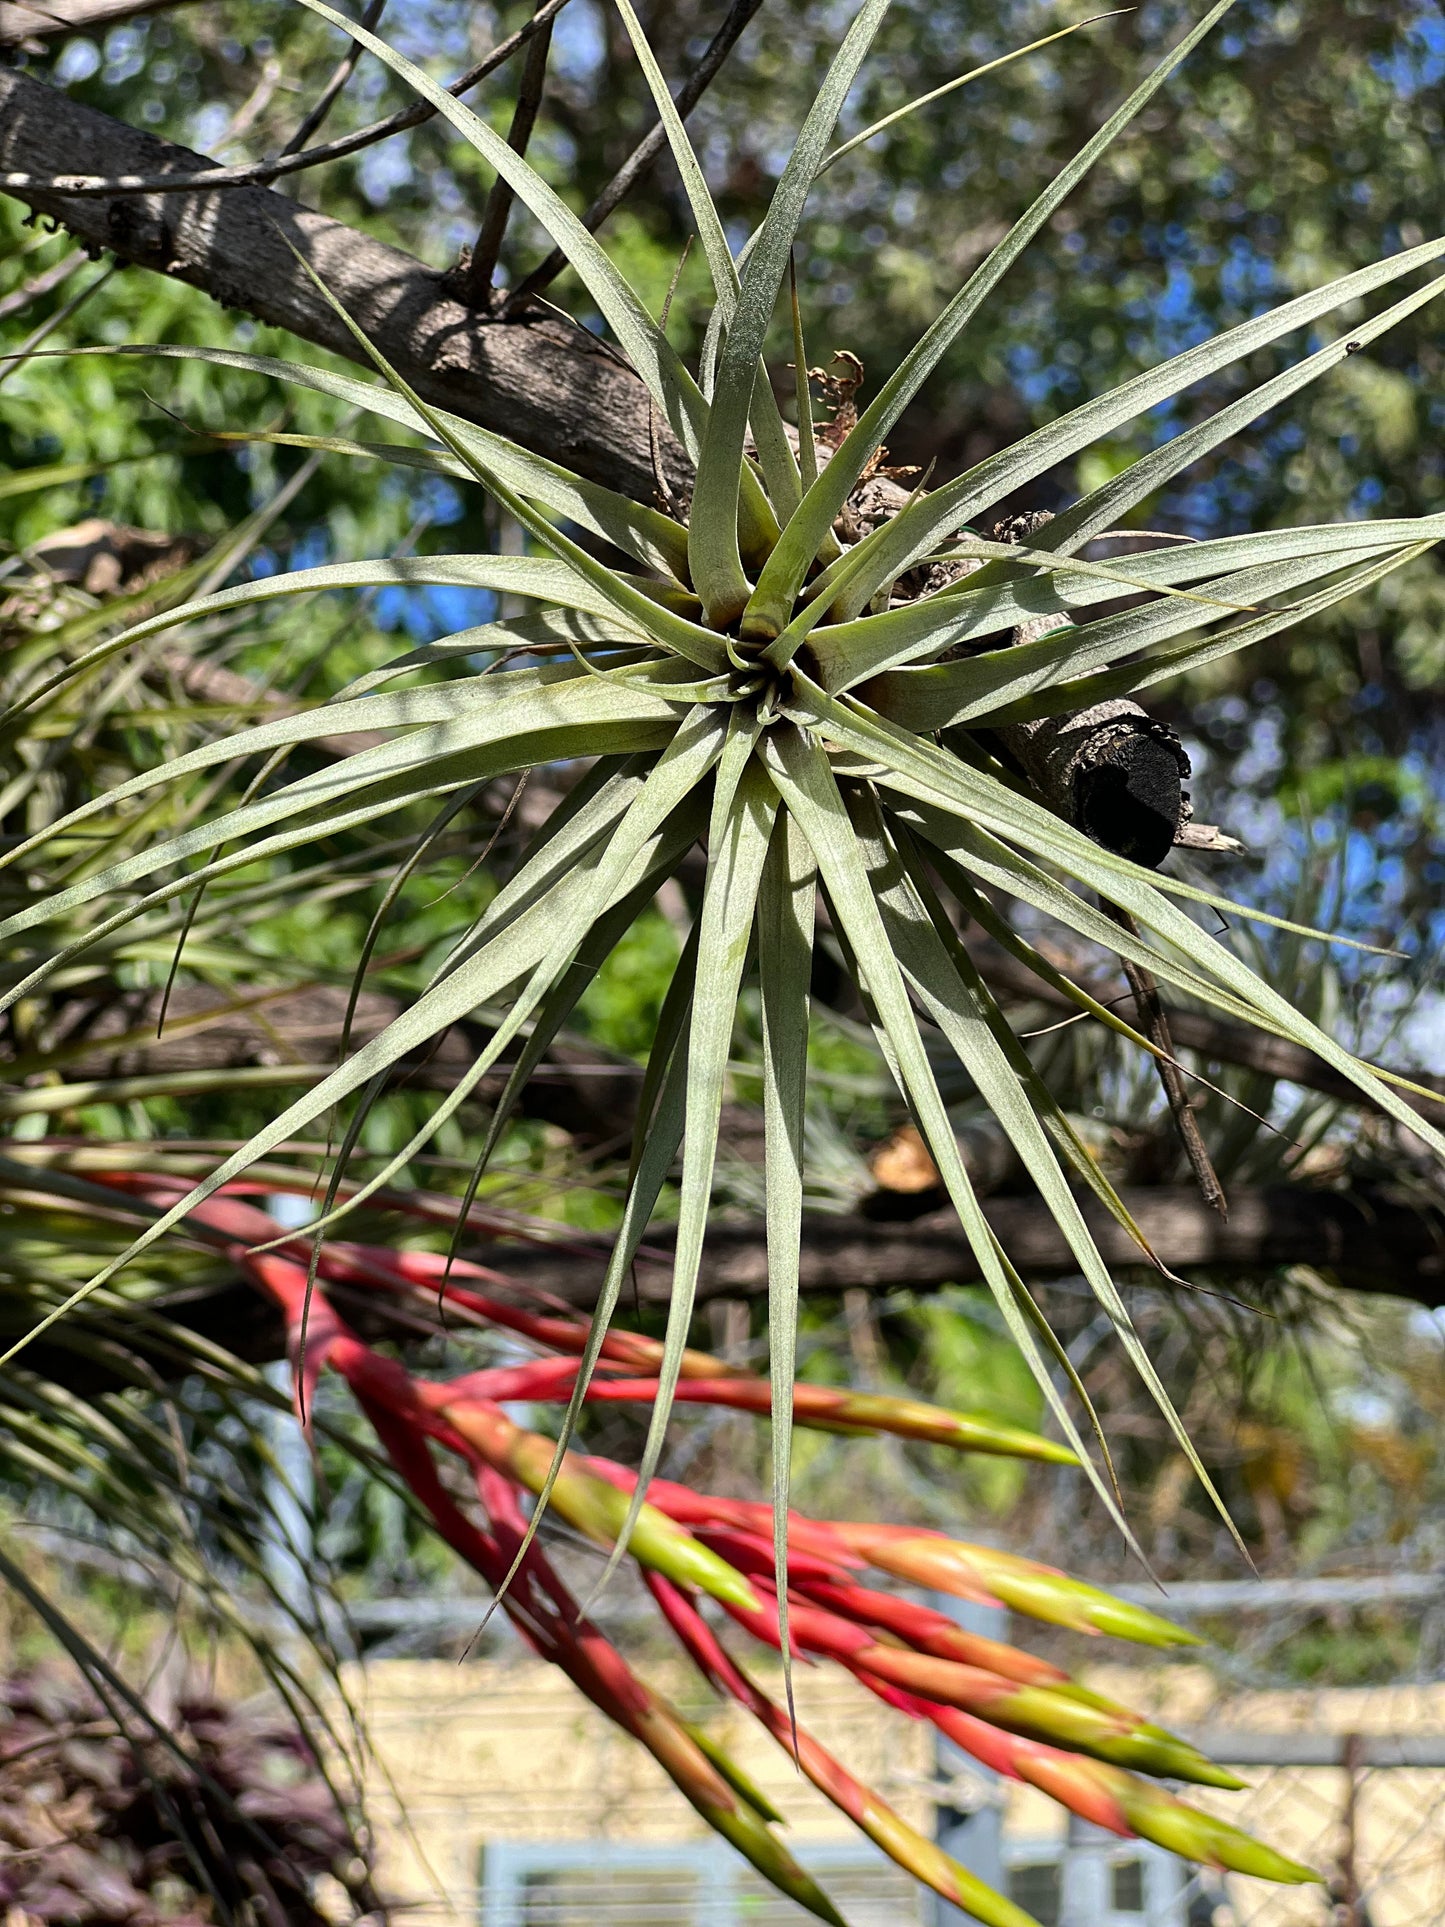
x=814 y=710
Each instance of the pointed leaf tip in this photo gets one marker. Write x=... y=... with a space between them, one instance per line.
x=1203 y=1837
x=973 y=1571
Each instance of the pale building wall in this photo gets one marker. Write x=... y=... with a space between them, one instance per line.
x=511 y=1751
x=506 y=1750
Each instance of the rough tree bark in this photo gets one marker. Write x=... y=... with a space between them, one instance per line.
x=112 y=1035
x=1371 y=1240
x=545 y=384
x=115 y=1036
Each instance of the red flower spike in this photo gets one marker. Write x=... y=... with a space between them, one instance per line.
x=921 y=1857
x=1014 y=1712
x=747 y=1515
x=986 y=1574
x=591 y=1504
x=854 y=1412
x=753 y=1554
x=389 y=1397
x=430 y=1272
x=1045 y=1712
x=1117 y=1800
x=928 y=1631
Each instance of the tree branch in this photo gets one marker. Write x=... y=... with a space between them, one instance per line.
x=1217 y=1037
x=1113 y=771
x=540 y=382
x=1370 y=1240
x=41 y=284
x=331 y=92
x=1154 y=1022
x=22 y=20
x=296 y=1031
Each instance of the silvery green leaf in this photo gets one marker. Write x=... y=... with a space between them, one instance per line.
x=955 y=1006
x=668 y=381
x=800 y=769
x=509 y=957
x=842 y=655
x=745 y=806
x=1037 y=677
x=780 y=470
x=786 y=910
x=894 y=547
x=717 y=569
x=783 y=577
x=643 y=533
x=491 y=725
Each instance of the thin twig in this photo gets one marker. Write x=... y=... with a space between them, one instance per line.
x=39 y=284
x=57 y=320
x=255 y=103
x=645 y=152
x=330 y=93
x=1155 y=1026
x=477 y=284
x=58 y=1736
x=1218 y=1037
x=262 y=173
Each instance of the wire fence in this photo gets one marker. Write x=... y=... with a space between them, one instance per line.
x=1349 y=1779
x=500 y=1800
x=1377 y=1832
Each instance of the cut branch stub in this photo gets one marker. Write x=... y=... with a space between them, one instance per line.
x=1113 y=771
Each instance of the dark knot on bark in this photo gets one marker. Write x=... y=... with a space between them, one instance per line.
x=1113 y=771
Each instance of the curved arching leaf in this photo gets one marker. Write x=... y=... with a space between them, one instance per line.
x=787 y=567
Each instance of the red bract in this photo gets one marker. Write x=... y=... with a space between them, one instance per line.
x=1014 y=1712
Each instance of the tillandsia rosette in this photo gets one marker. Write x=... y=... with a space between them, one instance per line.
x=817 y=700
